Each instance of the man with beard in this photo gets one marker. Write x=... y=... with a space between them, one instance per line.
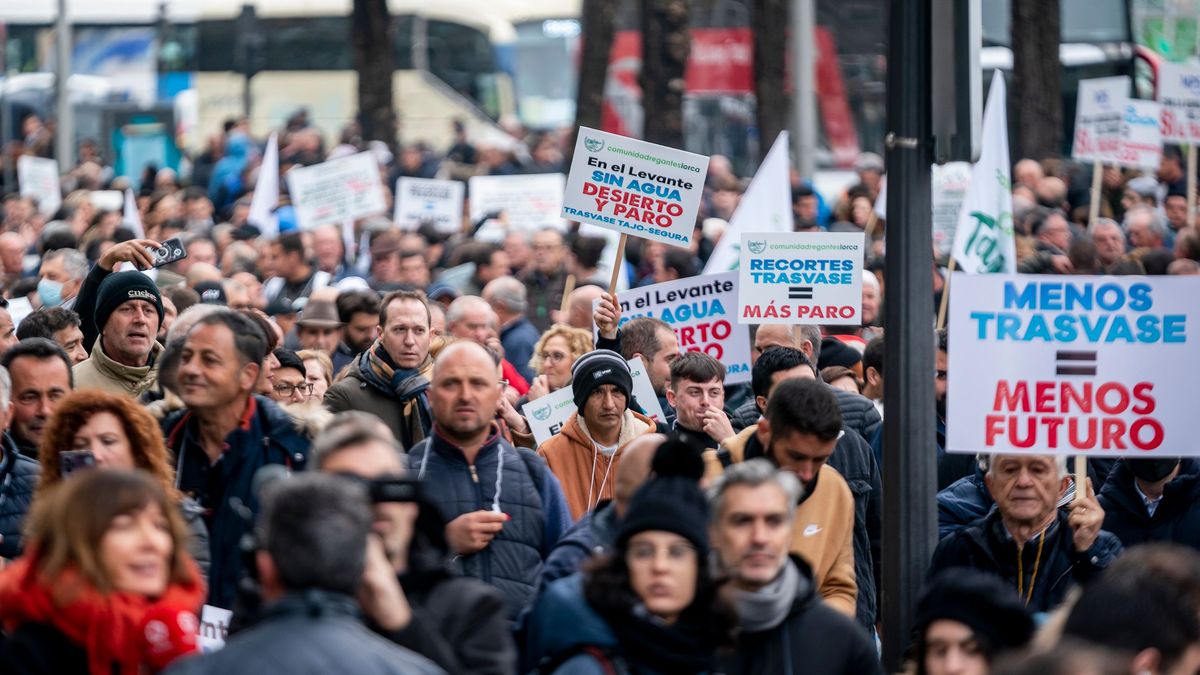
x=359 y=313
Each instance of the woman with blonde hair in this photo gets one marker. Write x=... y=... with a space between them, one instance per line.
x=318 y=369
x=553 y=357
x=106 y=584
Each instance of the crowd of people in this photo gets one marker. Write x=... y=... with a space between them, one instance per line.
x=331 y=444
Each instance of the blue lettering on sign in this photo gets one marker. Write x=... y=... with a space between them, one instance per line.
x=1065 y=312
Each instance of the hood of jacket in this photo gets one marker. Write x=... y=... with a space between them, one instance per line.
x=565 y=621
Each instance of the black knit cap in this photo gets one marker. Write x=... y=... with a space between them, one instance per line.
x=979 y=601
x=671 y=501
x=602 y=366
x=121 y=287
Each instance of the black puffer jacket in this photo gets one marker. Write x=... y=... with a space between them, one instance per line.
x=18 y=480
x=858 y=413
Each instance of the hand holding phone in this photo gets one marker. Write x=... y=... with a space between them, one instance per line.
x=70 y=461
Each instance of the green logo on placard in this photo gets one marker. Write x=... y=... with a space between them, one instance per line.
x=756 y=247
x=593 y=144
x=542 y=414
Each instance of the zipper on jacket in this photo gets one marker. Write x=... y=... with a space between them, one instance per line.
x=474 y=474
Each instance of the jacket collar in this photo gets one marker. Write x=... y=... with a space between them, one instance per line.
x=120 y=371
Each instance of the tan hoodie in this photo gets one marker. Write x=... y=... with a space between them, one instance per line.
x=581 y=469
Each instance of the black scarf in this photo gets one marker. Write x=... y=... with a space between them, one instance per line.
x=683 y=647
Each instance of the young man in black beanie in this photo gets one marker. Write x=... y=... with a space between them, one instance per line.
x=128 y=311
x=584 y=456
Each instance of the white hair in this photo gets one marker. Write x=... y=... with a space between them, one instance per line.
x=1060 y=462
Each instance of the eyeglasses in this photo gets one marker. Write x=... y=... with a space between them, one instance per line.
x=554 y=356
x=284 y=389
x=644 y=552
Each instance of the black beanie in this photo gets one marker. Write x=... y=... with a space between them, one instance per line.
x=979 y=601
x=593 y=369
x=671 y=501
x=121 y=287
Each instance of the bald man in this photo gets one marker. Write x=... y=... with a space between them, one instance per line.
x=504 y=509
x=579 y=308
x=596 y=530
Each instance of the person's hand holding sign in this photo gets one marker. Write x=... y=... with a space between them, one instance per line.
x=608 y=316
x=1087 y=516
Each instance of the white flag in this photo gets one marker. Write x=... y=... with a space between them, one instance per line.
x=983 y=241
x=133 y=219
x=266 y=193
x=765 y=207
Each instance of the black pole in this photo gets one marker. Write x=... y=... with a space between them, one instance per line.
x=910 y=460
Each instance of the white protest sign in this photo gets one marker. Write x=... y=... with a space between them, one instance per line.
x=766 y=206
x=950 y=183
x=634 y=187
x=701 y=311
x=801 y=277
x=1099 y=109
x=1071 y=365
x=107 y=200
x=548 y=414
x=420 y=201
x=330 y=192
x=527 y=202
x=39 y=179
x=214 y=628
x=1141 y=139
x=1179 y=93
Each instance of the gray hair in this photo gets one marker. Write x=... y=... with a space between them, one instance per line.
x=188 y=318
x=5 y=389
x=75 y=263
x=508 y=292
x=1103 y=222
x=1060 y=462
x=753 y=473
x=459 y=308
x=812 y=333
x=315 y=527
x=1155 y=221
x=348 y=429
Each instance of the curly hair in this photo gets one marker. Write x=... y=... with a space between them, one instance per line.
x=579 y=341
x=145 y=437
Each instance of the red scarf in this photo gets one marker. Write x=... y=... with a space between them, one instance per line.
x=125 y=629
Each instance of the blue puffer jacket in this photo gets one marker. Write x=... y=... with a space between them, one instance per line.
x=267 y=435
x=18 y=480
x=965 y=501
x=593 y=534
x=514 y=481
x=562 y=622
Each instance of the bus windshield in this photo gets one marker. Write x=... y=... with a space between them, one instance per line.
x=1083 y=21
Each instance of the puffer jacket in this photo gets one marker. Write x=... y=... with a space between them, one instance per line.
x=1176 y=519
x=266 y=435
x=18 y=481
x=593 y=534
x=858 y=413
x=965 y=501
x=509 y=480
x=987 y=547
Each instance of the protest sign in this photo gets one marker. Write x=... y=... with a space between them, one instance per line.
x=1179 y=93
x=801 y=277
x=1100 y=108
x=330 y=192
x=950 y=183
x=548 y=414
x=700 y=310
x=1141 y=138
x=1091 y=365
x=634 y=187
x=527 y=202
x=214 y=628
x=420 y=201
x=39 y=179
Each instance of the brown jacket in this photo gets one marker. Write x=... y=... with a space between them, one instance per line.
x=823 y=533
x=583 y=471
